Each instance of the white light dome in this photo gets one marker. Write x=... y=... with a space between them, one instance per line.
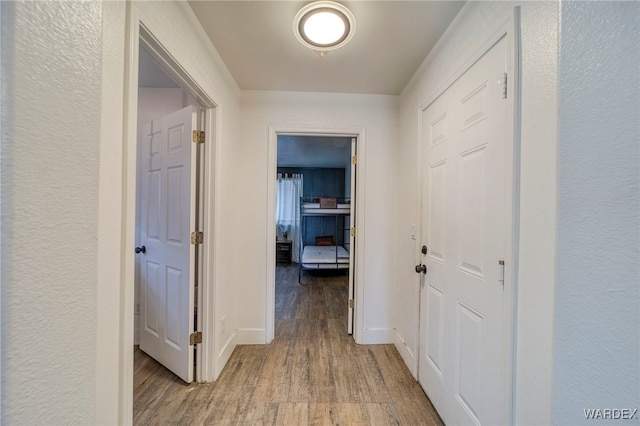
x=324 y=26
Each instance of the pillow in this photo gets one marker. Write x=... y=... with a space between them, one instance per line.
x=328 y=203
x=324 y=241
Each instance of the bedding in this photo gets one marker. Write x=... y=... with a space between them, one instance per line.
x=325 y=241
x=324 y=257
x=314 y=208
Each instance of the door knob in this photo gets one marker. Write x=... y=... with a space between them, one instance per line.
x=141 y=249
x=421 y=268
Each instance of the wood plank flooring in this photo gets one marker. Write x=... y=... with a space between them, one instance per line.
x=312 y=373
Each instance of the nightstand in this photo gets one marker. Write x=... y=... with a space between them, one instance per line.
x=283 y=251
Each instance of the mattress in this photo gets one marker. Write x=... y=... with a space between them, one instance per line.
x=314 y=208
x=324 y=257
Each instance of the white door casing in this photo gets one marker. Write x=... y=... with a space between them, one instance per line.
x=167 y=268
x=465 y=226
x=352 y=238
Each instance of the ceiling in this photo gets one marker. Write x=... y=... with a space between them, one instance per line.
x=255 y=40
x=149 y=72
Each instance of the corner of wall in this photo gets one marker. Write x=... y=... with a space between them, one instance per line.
x=238 y=337
x=406 y=353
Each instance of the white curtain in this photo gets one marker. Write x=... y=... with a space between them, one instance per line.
x=289 y=191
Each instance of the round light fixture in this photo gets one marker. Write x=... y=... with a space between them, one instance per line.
x=324 y=26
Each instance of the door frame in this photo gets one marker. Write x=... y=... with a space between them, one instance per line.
x=140 y=32
x=272 y=167
x=509 y=28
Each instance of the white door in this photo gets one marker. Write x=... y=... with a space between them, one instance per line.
x=352 y=239
x=462 y=364
x=167 y=265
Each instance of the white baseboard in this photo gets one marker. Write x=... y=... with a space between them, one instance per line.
x=377 y=336
x=406 y=353
x=225 y=353
x=243 y=336
x=250 y=336
x=136 y=329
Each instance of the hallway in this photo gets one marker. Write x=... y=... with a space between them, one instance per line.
x=312 y=373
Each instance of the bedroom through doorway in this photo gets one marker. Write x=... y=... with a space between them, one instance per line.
x=314 y=219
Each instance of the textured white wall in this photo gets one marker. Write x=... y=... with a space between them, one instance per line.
x=537 y=195
x=63 y=188
x=597 y=340
x=377 y=114
x=51 y=57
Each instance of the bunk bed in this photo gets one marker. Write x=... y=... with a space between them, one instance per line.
x=325 y=251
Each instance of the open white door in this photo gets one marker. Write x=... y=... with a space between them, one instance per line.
x=462 y=364
x=166 y=255
x=352 y=238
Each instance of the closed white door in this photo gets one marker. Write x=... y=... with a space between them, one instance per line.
x=462 y=364
x=167 y=265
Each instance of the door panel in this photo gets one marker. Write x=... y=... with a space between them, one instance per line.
x=468 y=368
x=435 y=332
x=461 y=366
x=471 y=234
x=437 y=211
x=168 y=265
x=151 y=323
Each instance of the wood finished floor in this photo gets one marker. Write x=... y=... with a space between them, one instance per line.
x=312 y=373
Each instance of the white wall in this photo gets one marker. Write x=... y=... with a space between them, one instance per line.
x=154 y=102
x=377 y=115
x=51 y=56
x=471 y=28
x=65 y=242
x=597 y=334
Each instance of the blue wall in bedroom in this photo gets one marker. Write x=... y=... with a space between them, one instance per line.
x=321 y=182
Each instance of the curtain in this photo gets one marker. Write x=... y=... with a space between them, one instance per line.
x=289 y=191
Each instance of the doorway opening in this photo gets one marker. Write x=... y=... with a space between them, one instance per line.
x=317 y=170
x=174 y=133
x=168 y=194
x=315 y=207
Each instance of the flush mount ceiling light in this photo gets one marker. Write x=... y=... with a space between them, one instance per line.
x=324 y=26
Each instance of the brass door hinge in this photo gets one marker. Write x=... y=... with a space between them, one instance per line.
x=354 y=159
x=195 y=337
x=353 y=232
x=197 y=237
x=351 y=303
x=198 y=136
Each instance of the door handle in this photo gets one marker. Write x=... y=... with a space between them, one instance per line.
x=141 y=249
x=421 y=268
